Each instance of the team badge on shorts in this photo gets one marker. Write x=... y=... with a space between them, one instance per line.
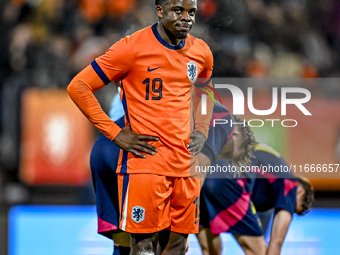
x=192 y=71
x=138 y=214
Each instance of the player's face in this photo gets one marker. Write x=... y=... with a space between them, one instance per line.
x=177 y=17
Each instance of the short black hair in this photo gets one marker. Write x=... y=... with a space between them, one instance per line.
x=160 y=2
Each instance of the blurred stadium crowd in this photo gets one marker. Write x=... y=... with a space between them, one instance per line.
x=44 y=43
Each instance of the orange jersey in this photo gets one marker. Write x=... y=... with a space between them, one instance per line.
x=157 y=80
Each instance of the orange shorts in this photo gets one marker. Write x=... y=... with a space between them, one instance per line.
x=149 y=203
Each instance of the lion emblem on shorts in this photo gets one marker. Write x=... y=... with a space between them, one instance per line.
x=138 y=214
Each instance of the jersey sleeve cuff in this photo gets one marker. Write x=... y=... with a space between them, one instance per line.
x=114 y=132
x=203 y=130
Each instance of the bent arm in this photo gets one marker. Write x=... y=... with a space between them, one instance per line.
x=202 y=122
x=81 y=90
x=281 y=222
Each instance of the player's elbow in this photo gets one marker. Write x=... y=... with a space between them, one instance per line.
x=71 y=88
x=76 y=88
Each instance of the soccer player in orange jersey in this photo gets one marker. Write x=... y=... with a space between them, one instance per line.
x=156 y=69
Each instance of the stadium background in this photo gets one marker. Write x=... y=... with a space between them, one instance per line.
x=45 y=142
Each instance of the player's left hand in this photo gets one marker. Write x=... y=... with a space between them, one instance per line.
x=197 y=141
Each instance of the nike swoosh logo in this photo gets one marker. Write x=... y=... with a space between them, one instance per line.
x=153 y=69
x=197 y=221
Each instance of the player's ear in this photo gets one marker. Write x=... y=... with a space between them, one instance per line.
x=300 y=191
x=159 y=11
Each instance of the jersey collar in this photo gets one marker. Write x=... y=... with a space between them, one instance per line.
x=168 y=45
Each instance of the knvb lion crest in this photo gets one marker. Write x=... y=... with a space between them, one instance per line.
x=138 y=214
x=192 y=71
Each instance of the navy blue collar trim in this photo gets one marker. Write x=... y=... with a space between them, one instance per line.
x=168 y=45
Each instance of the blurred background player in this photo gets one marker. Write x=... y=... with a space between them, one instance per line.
x=230 y=205
x=156 y=94
x=281 y=191
x=236 y=144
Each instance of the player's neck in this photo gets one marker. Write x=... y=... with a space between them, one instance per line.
x=167 y=36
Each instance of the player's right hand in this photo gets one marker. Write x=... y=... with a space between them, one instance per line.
x=134 y=143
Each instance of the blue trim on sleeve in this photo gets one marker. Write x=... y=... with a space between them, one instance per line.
x=100 y=72
x=207 y=82
x=203 y=84
x=168 y=45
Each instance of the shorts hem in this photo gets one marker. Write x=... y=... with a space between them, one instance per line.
x=183 y=231
x=146 y=231
x=167 y=174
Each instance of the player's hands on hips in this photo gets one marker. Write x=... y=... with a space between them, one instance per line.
x=132 y=142
x=197 y=142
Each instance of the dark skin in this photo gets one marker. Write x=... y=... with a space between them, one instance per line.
x=197 y=142
x=134 y=143
x=176 y=18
